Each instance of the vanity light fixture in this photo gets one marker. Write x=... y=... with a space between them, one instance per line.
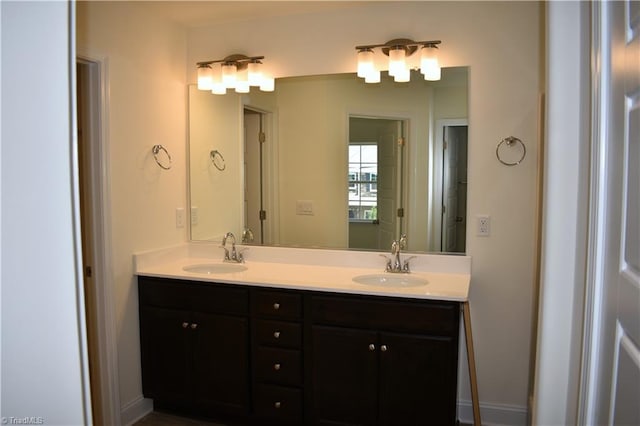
x=400 y=62
x=237 y=72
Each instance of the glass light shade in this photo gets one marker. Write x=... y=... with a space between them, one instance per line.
x=397 y=62
x=242 y=81
x=219 y=89
x=254 y=73
x=429 y=64
x=372 y=77
x=268 y=83
x=365 y=63
x=229 y=72
x=205 y=77
x=216 y=74
x=402 y=76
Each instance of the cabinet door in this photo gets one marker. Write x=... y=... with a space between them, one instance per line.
x=221 y=363
x=344 y=376
x=165 y=354
x=418 y=379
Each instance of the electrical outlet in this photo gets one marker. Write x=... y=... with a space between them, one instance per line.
x=194 y=215
x=180 y=217
x=484 y=225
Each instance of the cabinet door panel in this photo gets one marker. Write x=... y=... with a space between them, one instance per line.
x=221 y=363
x=344 y=376
x=165 y=354
x=418 y=380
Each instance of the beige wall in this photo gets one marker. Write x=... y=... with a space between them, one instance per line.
x=500 y=42
x=144 y=60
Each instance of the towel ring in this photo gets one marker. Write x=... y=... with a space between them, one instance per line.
x=156 y=151
x=510 y=141
x=217 y=159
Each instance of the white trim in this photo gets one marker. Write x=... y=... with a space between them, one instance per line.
x=103 y=274
x=493 y=414
x=136 y=410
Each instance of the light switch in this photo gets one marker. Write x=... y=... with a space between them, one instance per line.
x=304 y=207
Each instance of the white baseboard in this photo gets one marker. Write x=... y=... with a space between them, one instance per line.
x=493 y=414
x=135 y=410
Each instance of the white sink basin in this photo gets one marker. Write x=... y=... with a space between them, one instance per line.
x=215 y=268
x=391 y=280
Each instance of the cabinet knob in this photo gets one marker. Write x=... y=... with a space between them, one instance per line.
x=185 y=324
x=276 y=366
x=194 y=326
x=277 y=404
x=276 y=306
x=383 y=348
x=276 y=334
x=372 y=347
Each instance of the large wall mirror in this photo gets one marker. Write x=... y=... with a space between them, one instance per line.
x=331 y=162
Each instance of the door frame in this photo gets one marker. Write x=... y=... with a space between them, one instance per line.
x=97 y=166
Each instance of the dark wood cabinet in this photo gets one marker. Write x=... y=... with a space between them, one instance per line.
x=253 y=355
x=383 y=362
x=195 y=361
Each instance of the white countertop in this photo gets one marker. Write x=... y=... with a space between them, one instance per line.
x=448 y=277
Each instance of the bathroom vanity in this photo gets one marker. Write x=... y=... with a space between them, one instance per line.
x=299 y=344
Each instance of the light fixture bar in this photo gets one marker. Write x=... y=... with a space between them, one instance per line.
x=237 y=71
x=400 y=42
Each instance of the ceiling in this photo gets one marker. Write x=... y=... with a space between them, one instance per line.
x=194 y=14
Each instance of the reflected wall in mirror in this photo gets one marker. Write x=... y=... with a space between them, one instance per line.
x=297 y=188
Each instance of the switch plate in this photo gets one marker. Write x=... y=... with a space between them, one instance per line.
x=180 y=217
x=194 y=215
x=483 y=225
x=304 y=207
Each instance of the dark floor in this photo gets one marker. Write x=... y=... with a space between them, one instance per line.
x=164 y=419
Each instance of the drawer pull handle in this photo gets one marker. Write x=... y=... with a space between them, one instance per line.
x=276 y=366
x=194 y=326
x=185 y=324
x=276 y=334
x=372 y=347
x=277 y=404
x=276 y=306
x=383 y=348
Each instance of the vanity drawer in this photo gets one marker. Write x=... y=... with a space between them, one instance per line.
x=179 y=294
x=277 y=304
x=279 y=333
x=278 y=404
x=281 y=366
x=425 y=317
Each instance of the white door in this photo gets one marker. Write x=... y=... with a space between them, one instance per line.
x=388 y=182
x=613 y=395
x=253 y=176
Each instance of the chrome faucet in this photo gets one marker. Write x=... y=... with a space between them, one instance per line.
x=233 y=256
x=394 y=264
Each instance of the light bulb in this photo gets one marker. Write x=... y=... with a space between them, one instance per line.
x=205 y=77
x=242 y=81
x=429 y=64
x=397 y=63
x=365 y=63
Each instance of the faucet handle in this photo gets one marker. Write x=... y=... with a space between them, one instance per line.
x=388 y=266
x=405 y=264
x=239 y=256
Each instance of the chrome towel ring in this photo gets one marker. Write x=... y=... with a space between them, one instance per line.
x=156 y=151
x=511 y=141
x=217 y=159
